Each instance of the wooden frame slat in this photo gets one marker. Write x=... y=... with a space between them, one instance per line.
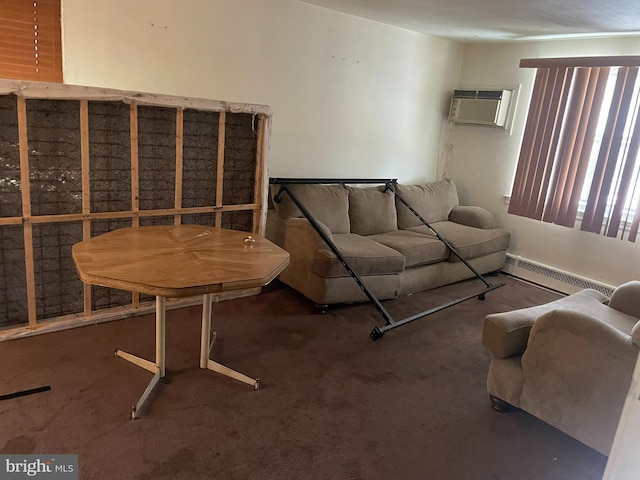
x=135 y=181
x=259 y=192
x=222 y=123
x=75 y=217
x=55 y=91
x=25 y=187
x=177 y=219
x=86 y=189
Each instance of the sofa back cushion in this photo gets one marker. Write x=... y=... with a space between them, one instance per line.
x=433 y=201
x=372 y=211
x=327 y=203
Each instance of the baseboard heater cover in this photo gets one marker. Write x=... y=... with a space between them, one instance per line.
x=548 y=276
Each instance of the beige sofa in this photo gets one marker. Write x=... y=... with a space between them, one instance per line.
x=382 y=240
x=568 y=362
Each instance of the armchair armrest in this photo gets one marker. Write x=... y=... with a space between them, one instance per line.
x=506 y=334
x=635 y=335
x=626 y=298
x=473 y=216
x=552 y=331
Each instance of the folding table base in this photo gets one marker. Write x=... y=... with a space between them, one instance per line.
x=207 y=340
x=158 y=368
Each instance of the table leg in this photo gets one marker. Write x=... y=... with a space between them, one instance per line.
x=157 y=368
x=206 y=345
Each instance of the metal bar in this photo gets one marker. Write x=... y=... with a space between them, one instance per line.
x=23 y=393
x=145 y=395
x=161 y=322
x=206 y=345
x=329 y=181
x=157 y=367
x=378 y=332
x=335 y=250
x=148 y=365
x=205 y=337
x=231 y=373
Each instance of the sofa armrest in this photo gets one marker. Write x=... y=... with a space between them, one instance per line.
x=302 y=242
x=473 y=216
x=299 y=234
x=626 y=298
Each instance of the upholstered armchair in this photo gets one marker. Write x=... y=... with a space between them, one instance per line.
x=568 y=362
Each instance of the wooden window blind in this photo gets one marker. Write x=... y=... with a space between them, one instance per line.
x=30 y=40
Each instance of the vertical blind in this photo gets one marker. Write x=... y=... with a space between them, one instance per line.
x=30 y=40
x=580 y=147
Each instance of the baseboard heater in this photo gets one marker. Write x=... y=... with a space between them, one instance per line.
x=390 y=184
x=552 y=277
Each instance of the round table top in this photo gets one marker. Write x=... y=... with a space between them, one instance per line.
x=178 y=260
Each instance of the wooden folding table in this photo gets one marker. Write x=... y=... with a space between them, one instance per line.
x=179 y=261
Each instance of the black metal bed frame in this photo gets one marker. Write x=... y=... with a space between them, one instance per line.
x=390 y=184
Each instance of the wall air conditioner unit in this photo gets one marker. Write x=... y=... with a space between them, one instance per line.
x=489 y=108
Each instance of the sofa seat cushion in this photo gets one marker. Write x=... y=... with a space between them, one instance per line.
x=417 y=249
x=365 y=256
x=470 y=242
x=372 y=210
x=506 y=334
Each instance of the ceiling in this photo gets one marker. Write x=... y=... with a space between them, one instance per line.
x=478 y=20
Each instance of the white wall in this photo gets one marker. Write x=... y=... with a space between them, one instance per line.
x=483 y=162
x=351 y=97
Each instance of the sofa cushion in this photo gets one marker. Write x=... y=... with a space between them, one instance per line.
x=326 y=203
x=417 y=249
x=433 y=201
x=365 y=256
x=470 y=242
x=372 y=210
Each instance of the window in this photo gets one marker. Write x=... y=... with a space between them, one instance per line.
x=30 y=40
x=580 y=147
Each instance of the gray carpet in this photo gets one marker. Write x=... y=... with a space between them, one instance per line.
x=333 y=403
